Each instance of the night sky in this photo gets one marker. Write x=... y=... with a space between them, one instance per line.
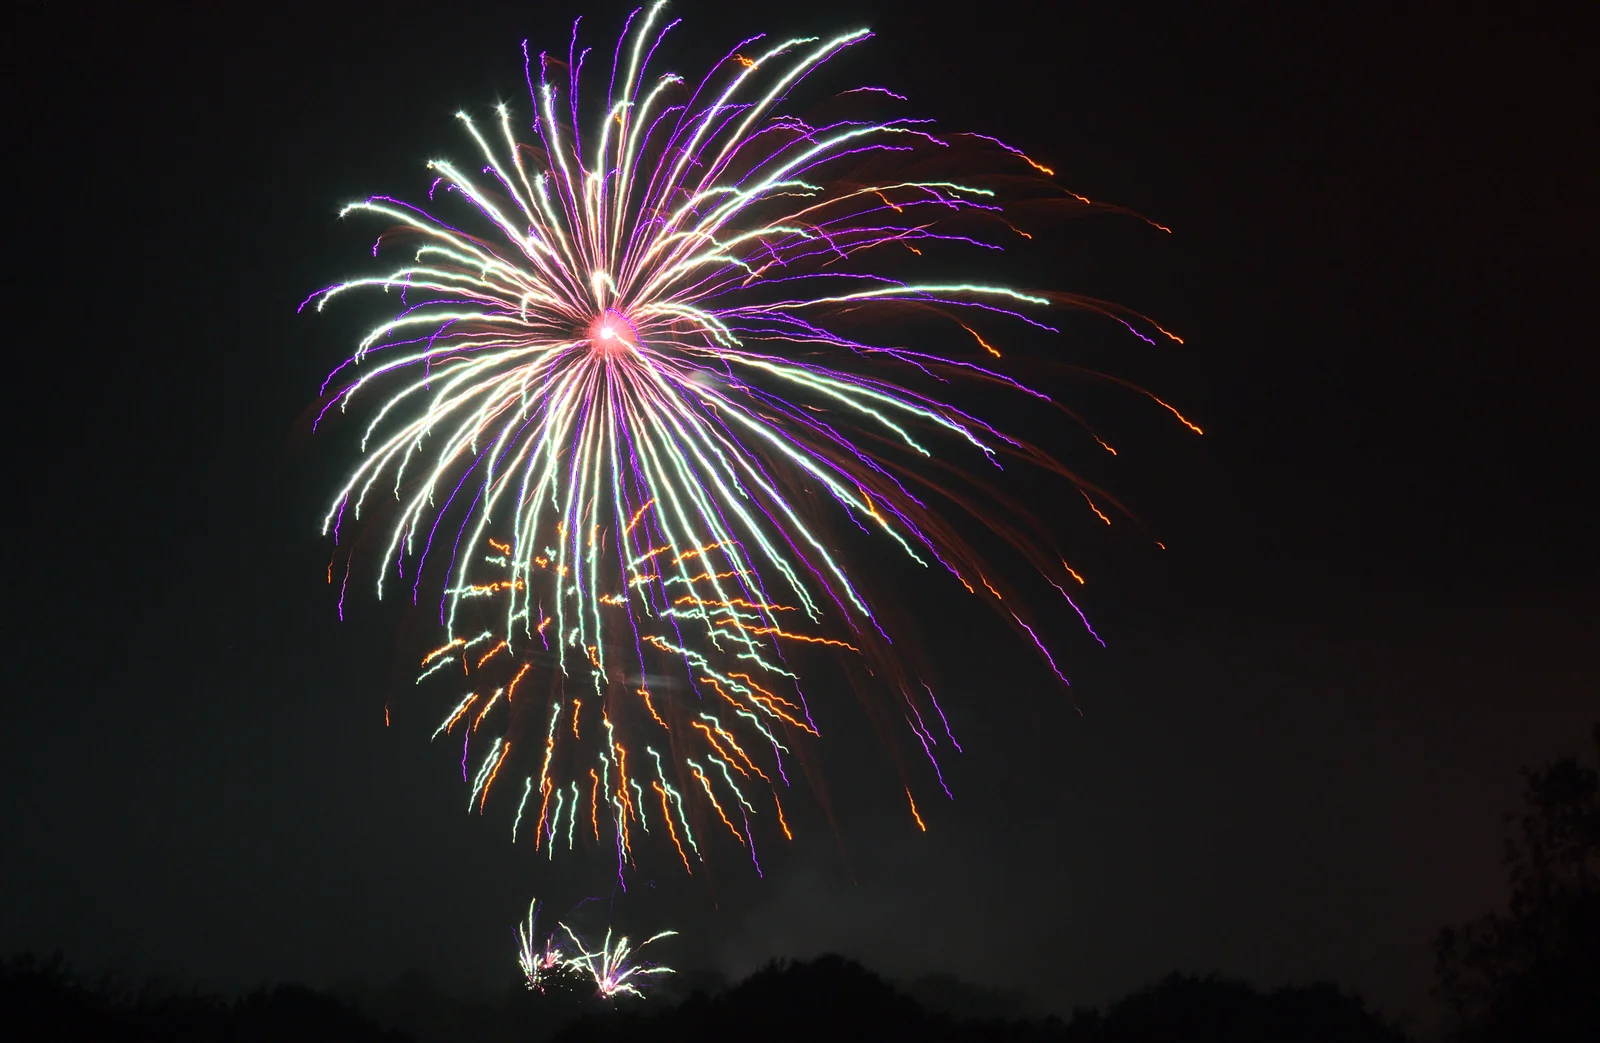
x=1377 y=601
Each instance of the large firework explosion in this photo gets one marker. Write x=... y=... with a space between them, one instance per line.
x=625 y=399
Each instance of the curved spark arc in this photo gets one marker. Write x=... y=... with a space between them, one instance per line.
x=631 y=365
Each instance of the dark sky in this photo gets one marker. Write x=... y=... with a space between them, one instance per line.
x=1378 y=599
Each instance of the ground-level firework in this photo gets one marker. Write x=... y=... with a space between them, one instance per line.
x=632 y=401
x=613 y=967
x=539 y=957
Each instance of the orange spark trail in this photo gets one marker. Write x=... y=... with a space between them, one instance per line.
x=457 y=715
x=770 y=698
x=486 y=707
x=648 y=705
x=1035 y=164
x=666 y=813
x=686 y=555
x=499 y=584
x=787 y=835
x=637 y=515
x=794 y=637
x=431 y=656
x=544 y=807
x=706 y=783
x=689 y=599
x=766 y=702
x=736 y=747
x=492 y=775
x=716 y=575
x=986 y=345
x=622 y=787
x=514 y=680
x=914 y=810
x=730 y=758
x=622 y=772
x=1175 y=413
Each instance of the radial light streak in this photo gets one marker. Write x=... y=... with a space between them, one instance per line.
x=638 y=393
x=613 y=966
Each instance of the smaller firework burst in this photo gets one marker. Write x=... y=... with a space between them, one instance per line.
x=613 y=967
x=540 y=959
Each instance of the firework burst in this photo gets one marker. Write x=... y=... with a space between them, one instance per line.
x=539 y=958
x=615 y=420
x=614 y=966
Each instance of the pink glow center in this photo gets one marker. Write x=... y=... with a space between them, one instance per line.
x=610 y=333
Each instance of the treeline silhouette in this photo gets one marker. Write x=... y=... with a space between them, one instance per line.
x=1530 y=972
x=829 y=999
x=832 y=999
x=45 y=1000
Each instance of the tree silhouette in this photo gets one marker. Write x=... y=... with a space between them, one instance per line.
x=1533 y=971
x=45 y=1000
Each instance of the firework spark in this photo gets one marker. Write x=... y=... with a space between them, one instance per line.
x=540 y=959
x=619 y=416
x=614 y=966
